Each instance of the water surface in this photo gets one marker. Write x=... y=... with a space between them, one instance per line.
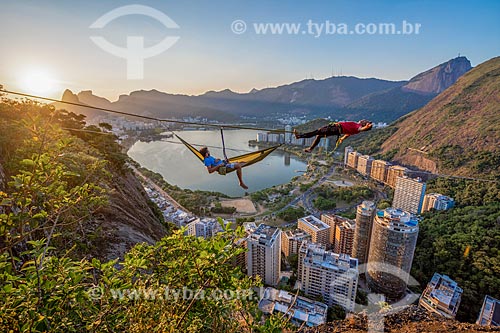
x=180 y=167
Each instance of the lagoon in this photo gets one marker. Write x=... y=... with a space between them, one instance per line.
x=180 y=167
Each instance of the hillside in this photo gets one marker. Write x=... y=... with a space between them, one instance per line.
x=393 y=103
x=103 y=209
x=458 y=131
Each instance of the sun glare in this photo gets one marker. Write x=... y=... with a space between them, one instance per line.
x=37 y=82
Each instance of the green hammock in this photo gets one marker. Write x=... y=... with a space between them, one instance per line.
x=248 y=159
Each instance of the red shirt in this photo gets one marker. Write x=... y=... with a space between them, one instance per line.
x=350 y=127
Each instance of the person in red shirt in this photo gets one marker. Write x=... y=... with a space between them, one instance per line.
x=344 y=128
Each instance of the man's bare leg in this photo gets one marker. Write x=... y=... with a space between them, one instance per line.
x=314 y=144
x=239 y=174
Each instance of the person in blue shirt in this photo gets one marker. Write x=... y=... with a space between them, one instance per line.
x=213 y=164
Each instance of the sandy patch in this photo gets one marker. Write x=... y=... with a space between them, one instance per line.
x=244 y=206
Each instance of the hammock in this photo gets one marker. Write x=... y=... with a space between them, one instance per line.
x=248 y=159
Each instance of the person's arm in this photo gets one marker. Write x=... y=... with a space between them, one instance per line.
x=367 y=127
x=344 y=137
x=214 y=168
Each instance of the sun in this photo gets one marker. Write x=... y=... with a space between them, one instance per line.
x=37 y=81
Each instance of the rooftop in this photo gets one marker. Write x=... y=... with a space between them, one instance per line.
x=397 y=218
x=265 y=234
x=314 y=223
x=444 y=289
x=296 y=234
x=303 y=310
x=317 y=255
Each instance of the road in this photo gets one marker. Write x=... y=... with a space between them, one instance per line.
x=308 y=196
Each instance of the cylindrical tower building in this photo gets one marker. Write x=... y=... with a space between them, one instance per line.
x=393 y=241
x=362 y=232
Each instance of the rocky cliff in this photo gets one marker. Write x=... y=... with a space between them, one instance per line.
x=439 y=78
x=411 y=319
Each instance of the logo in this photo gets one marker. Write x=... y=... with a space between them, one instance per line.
x=135 y=53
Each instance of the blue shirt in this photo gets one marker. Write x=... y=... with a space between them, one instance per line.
x=210 y=161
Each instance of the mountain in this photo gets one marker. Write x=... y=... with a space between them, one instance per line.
x=305 y=97
x=439 y=78
x=318 y=97
x=150 y=103
x=458 y=131
x=343 y=97
x=396 y=102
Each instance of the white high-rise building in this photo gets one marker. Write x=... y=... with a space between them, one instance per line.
x=364 y=166
x=409 y=194
x=347 y=150
x=288 y=134
x=319 y=230
x=292 y=240
x=330 y=275
x=300 y=309
x=262 y=137
x=437 y=201
x=490 y=312
x=264 y=254
x=205 y=228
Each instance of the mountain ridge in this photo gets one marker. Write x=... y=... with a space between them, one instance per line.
x=338 y=97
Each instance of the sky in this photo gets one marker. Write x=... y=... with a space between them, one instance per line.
x=46 y=45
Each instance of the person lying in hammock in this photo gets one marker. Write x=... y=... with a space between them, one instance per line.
x=344 y=128
x=213 y=164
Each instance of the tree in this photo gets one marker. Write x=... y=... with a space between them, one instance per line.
x=335 y=312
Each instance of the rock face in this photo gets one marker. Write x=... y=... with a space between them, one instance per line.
x=411 y=319
x=128 y=219
x=439 y=78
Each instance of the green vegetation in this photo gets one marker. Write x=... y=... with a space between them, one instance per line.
x=219 y=209
x=463 y=243
x=263 y=195
x=454 y=156
x=459 y=130
x=322 y=203
x=347 y=194
x=304 y=187
x=369 y=142
x=335 y=312
x=58 y=294
x=57 y=180
x=241 y=220
x=466 y=192
x=291 y=213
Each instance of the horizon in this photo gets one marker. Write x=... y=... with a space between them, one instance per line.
x=214 y=53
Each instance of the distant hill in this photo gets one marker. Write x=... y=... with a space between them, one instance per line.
x=393 y=103
x=318 y=97
x=150 y=103
x=344 y=97
x=307 y=97
x=458 y=131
